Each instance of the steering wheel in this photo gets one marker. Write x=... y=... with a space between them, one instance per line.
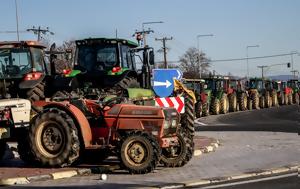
x=115 y=100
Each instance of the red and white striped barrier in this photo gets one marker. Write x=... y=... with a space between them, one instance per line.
x=176 y=102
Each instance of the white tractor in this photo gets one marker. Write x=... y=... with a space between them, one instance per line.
x=14 y=115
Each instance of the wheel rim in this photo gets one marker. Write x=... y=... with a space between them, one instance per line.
x=50 y=139
x=136 y=153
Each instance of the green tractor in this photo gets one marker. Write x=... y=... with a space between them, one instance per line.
x=22 y=70
x=202 y=94
x=219 y=97
x=262 y=93
x=294 y=84
x=237 y=92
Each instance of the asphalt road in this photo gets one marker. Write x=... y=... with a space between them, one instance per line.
x=289 y=181
x=251 y=141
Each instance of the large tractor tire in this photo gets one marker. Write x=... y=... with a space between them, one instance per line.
x=296 y=98
x=215 y=106
x=274 y=99
x=255 y=100
x=53 y=139
x=2 y=148
x=128 y=82
x=286 y=99
x=232 y=102
x=199 y=109
x=179 y=155
x=205 y=109
x=35 y=94
x=262 y=102
x=280 y=99
x=290 y=99
x=224 y=104
x=249 y=104
x=188 y=118
x=139 y=152
x=242 y=102
x=268 y=100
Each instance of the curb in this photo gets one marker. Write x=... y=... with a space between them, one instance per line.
x=205 y=182
x=207 y=149
x=57 y=175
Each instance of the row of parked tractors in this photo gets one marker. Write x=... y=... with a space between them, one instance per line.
x=219 y=94
x=101 y=104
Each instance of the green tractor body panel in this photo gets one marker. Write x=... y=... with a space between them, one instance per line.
x=73 y=73
x=118 y=72
x=137 y=93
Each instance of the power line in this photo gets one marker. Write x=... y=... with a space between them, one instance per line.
x=256 y=57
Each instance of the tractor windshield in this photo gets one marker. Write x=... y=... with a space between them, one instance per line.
x=97 y=57
x=256 y=84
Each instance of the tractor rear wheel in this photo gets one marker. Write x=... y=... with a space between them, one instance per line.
x=232 y=102
x=215 y=106
x=296 y=98
x=2 y=148
x=199 y=109
x=290 y=99
x=255 y=100
x=274 y=99
x=128 y=82
x=268 y=100
x=53 y=139
x=35 y=94
x=242 y=102
x=249 y=104
x=205 y=109
x=262 y=102
x=187 y=118
x=139 y=152
x=224 y=104
x=180 y=155
x=281 y=98
x=286 y=99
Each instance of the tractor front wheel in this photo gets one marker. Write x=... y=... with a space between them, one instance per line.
x=255 y=100
x=290 y=99
x=128 y=82
x=224 y=104
x=205 y=109
x=274 y=99
x=199 y=109
x=178 y=156
x=215 y=106
x=243 y=102
x=262 y=102
x=53 y=139
x=296 y=98
x=232 y=102
x=35 y=94
x=139 y=153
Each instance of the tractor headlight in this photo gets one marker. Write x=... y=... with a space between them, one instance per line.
x=167 y=124
x=174 y=123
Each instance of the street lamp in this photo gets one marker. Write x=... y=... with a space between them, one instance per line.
x=148 y=31
x=249 y=46
x=198 y=36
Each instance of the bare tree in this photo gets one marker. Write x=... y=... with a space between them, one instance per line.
x=192 y=62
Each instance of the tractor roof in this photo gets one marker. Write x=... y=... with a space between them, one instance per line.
x=13 y=44
x=193 y=80
x=90 y=41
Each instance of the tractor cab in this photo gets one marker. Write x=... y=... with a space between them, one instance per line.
x=22 y=66
x=105 y=62
x=256 y=83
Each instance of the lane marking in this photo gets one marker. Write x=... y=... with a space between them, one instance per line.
x=251 y=181
x=200 y=123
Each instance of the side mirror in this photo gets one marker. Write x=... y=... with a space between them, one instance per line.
x=151 y=58
x=205 y=86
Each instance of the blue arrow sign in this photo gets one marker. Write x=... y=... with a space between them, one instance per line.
x=163 y=83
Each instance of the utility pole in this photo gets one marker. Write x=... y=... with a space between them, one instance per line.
x=38 y=31
x=294 y=73
x=143 y=33
x=17 y=20
x=262 y=70
x=164 y=39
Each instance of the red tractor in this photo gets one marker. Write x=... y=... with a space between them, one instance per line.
x=140 y=136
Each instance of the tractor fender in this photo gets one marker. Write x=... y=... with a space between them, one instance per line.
x=129 y=73
x=29 y=84
x=78 y=116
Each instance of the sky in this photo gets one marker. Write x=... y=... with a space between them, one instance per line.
x=235 y=24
